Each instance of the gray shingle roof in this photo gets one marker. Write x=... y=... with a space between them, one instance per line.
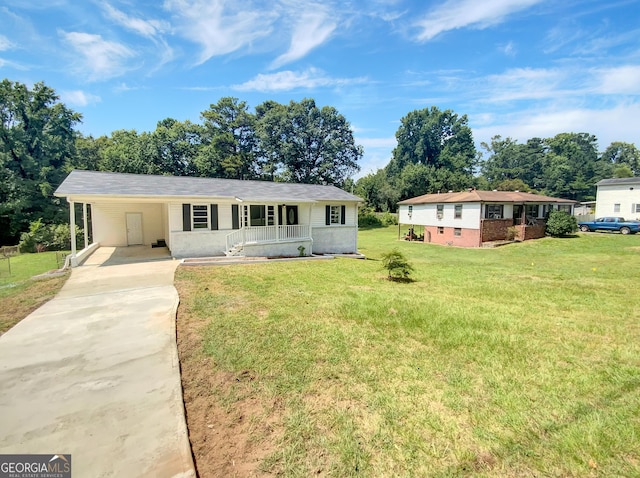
x=484 y=196
x=615 y=181
x=97 y=183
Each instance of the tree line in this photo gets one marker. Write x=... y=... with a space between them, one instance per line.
x=294 y=142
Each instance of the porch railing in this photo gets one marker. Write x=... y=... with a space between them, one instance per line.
x=265 y=234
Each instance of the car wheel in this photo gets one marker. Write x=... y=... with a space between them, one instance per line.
x=625 y=230
x=584 y=228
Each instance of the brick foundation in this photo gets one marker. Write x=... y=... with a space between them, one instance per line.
x=467 y=237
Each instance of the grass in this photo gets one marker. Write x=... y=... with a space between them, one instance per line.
x=522 y=360
x=19 y=295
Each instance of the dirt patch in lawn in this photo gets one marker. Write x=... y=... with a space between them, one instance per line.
x=231 y=429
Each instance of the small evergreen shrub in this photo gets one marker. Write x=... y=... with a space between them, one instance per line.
x=396 y=265
x=561 y=223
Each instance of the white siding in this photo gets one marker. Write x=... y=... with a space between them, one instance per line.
x=627 y=195
x=426 y=215
x=109 y=222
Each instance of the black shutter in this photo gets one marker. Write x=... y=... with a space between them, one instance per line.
x=235 y=216
x=214 y=217
x=343 y=215
x=328 y=215
x=186 y=217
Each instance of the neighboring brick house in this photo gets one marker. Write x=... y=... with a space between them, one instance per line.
x=470 y=218
x=618 y=197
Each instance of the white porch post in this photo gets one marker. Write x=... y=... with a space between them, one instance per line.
x=72 y=228
x=85 y=221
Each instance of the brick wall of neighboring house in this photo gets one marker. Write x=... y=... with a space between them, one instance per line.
x=467 y=237
x=495 y=229
x=532 y=232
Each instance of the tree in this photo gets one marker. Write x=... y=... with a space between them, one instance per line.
x=303 y=143
x=559 y=223
x=511 y=161
x=175 y=146
x=37 y=143
x=570 y=165
x=377 y=191
x=442 y=143
x=619 y=153
x=229 y=140
x=396 y=265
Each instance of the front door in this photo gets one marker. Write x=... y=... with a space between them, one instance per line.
x=291 y=216
x=134 y=228
x=517 y=214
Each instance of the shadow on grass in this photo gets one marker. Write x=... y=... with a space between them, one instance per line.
x=402 y=280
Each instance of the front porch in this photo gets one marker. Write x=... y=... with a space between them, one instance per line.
x=512 y=229
x=281 y=240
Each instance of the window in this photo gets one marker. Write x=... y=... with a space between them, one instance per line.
x=335 y=215
x=564 y=208
x=457 y=231
x=440 y=230
x=546 y=209
x=259 y=215
x=494 y=211
x=532 y=210
x=616 y=207
x=410 y=211
x=440 y=210
x=200 y=216
x=636 y=208
x=458 y=211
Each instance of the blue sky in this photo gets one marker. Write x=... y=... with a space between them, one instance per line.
x=518 y=68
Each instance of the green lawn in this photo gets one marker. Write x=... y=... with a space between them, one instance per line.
x=19 y=295
x=522 y=360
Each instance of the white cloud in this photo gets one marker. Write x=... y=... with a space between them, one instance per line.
x=509 y=49
x=290 y=80
x=102 y=59
x=146 y=28
x=623 y=80
x=78 y=98
x=219 y=26
x=5 y=43
x=313 y=27
x=454 y=14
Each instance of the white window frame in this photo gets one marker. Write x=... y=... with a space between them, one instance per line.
x=616 y=207
x=336 y=215
x=198 y=225
x=457 y=211
x=439 y=211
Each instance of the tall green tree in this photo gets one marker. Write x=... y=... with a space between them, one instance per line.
x=37 y=141
x=570 y=166
x=440 y=141
x=229 y=141
x=509 y=161
x=619 y=153
x=303 y=143
x=175 y=146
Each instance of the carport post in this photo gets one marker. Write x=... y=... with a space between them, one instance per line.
x=72 y=230
x=86 y=231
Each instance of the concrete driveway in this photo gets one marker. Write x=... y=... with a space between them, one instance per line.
x=95 y=373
